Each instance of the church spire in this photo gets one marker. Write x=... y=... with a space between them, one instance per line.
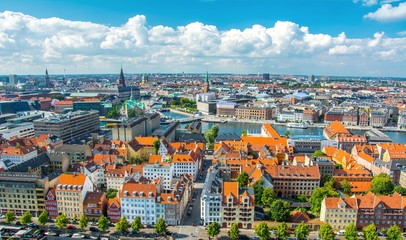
x=47 y=80
x=121 y=80
x=206 y=80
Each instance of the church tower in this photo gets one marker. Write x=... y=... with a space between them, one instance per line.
x=121 y=81
x=207 y=83
x=47 y=79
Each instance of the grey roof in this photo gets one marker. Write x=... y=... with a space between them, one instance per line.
x=38 y=161
x=227 y=137
x=72 y=148
x=190 y=137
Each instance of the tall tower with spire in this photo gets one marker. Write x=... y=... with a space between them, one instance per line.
x=121 y=81
x=47 y=79
x=206 y=80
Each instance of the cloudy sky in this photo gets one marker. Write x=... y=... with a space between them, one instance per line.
x=321 y=37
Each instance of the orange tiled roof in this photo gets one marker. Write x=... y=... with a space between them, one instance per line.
x=77 y=179
x=64 y=102
x=146 y=141
x=115 y=201
x=14 y=151
x=332 y=202
x=137 y=190
x=230 y=189
x=335 y=128
x=102 y=159
x=154 y=158
x=366 y=157
x=270 y=131
x=360 y=186
x=182 y=158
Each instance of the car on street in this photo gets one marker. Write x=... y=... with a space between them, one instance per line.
x=78 y=235
x=50 y=234
x=71 y=227
x=94 y=229
x=65 y=235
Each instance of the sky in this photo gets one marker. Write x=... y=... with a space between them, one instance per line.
x=320 y=37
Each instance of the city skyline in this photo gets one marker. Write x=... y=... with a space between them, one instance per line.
x=369 y=40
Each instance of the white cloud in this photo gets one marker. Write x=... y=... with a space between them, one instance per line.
x=388 y=13
x=29 y=44
x=367 y=3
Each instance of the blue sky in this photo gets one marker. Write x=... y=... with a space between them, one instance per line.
x=326 y=37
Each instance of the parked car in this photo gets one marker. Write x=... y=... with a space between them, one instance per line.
x=50 y=234
x=71 y=227
x=94 y=229
x=65 y=235
x=78 y=235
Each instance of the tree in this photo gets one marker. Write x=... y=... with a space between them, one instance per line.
x=317 y=197
x=234 y=232
x=26 y=218
x=280 y=211
x=122 y=225
x=111 y=193
x=262 y=231
x=351 y=232
x=183 y=101
x=156 y=146
x=243 y=179
x=382 y=184
x=114 y=112
x=10 y=216
x=268 y=197
x=160 y=226
x=61 y=221
x=244 y=132
x=43 y=218
x=394 y=233
x=137 y=224
x=83 y=222
x=258 y=191
x=301 y=231
x=209 y=136
x=215 y=130
x=287 y=133
x=318 y=153
x=301 y=198
x=325 y=179
x=326 y=232
x=213 y=229
x=370 y=231
x=401 y=190
x=103 y=223
x=346 y=186
x=281 y=231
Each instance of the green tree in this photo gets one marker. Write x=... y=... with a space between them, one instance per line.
x=301 y=231
x=137 y=224
x=318 y=153
x=156 y=146
x=326 y=178
x=301 y=198
x=43 y=218
x=268 y=197
x=346 y=186
x=215 y=130
x=382 y=184
x=280 y=211
x=281 y=231
x=26 y=218
x=370 y=232
x=394 y=233
x=351 y=232
x=175 y=103
x=287 y=133
x=83 y=222
x=183 y=101
x=61 y=221
x=114 y=112
x=262 y=231
x=122 y=225
x=317 y=197
x=234 y=232
x=258 y=191
x=111 y=193
x=103 y=223
x=244 y=132
x=160 y=226
x=209 y=136
x=10 y=216
x=243 y=179
x=326 y=232
x=401 y=190
x=213 y=229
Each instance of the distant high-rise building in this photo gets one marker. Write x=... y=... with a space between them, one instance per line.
x=12 y=79
x=206 y=80
x=121 y=81
x=265 y=76
x=311 y=78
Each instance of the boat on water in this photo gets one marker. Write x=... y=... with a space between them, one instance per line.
x=297 y=125
x=209 y=120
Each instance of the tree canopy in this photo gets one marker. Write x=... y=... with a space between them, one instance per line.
x=234 y=232
x=137 y=224
x=243 y=179
x=370 y=232
x=401 y=190
x=156 y=146
x=111 y=193
x=258 y=191
x=122 y=225
x=61 y=221
x=318 y=153
x=301 y=231
x=262 y=231
x=10 y=216
x=382 y=184
x=326 y=232
x=83 y=222
x=43 y=218
x=351 y=232
x=213 y=229
x=346 y=186
x=103 y=223
x=280 y=211
x=394 y=233
x=281 y=231
x=26 y=218
x=268 y=197
x=160 y=226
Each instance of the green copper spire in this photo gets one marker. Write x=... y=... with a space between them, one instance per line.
x=207 y=82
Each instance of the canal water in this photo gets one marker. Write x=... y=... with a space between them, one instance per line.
x=237 y=127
